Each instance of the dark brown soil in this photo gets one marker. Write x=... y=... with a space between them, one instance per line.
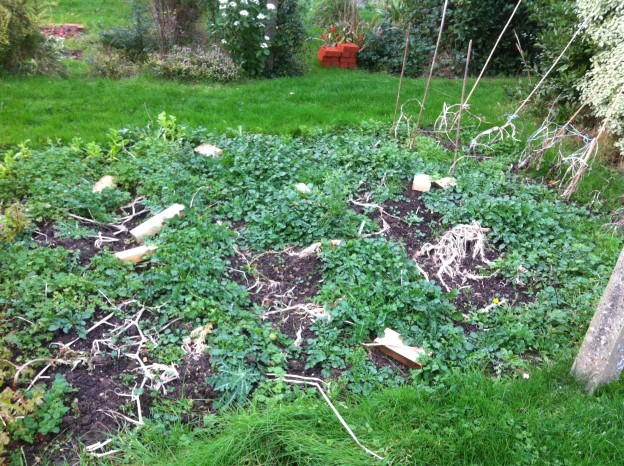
x=286 y=280
x=276 y=280
x=473 y=294
x=99 y=391
x=46 y=235
x=412 y=237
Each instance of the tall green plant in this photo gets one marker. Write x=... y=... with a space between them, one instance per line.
x=604 y=84
x=176 y=21
x=22 y=46
x=286 y=46
x=557 y=22
x=242 y=27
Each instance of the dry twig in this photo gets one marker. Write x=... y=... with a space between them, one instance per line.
x=318 y=384
x=453 y=247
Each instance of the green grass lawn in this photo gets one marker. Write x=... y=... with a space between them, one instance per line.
x=474 y=420
x=91 y=13
x=43 y=108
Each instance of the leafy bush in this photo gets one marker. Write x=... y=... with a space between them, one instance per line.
x=242 y=28
x=176 y=21
x=194 y=64
x=287 y=45
x=483 y=21
x=604 y=83
x=111 y=63
x=328 y=12
x=385 y=46
x=557 y=21
x=136 y=39
x=479 y=21
x=23 y=49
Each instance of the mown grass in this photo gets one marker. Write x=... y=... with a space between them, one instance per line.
x=474 y=419
x=64 y=108
x=91 y=13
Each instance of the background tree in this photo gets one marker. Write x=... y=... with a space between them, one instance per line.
x=604 y=84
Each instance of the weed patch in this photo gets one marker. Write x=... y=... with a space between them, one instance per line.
x=262 y=277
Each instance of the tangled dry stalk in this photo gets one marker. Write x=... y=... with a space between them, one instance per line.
x=453 y=247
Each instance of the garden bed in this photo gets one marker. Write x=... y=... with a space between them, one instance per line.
x=260 y=276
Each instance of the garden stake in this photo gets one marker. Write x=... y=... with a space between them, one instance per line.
x=435 y=55
x=461 y=106
x=398 y=100
x=538 y=85
x=487 y=62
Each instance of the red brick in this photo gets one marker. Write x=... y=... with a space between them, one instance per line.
x=348 y=48
x=329 y=52
x=348 y=60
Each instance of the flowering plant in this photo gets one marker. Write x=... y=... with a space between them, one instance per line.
x=339 y=33
x=242 y=26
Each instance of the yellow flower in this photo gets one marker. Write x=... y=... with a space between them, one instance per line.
x=495 y=301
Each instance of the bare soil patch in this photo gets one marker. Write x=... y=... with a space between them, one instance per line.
x=47 y=235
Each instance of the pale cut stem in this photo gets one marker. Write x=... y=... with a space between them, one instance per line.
x=433 y=61
x=398 y=100
x=461 y=107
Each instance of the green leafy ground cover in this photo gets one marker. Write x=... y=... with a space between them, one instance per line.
x=554 y=254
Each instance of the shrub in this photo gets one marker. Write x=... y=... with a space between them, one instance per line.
x=604 y=84
x=327 y=12
x=481 y=21
x=194 y=64
x=136 y=39
x=287 y=45
x=242 y=28
x=385 y=46
x=23 y=49
x=111 y=63
x=176 y=21
x=557 y=21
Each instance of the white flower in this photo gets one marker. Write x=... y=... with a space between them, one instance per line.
x=233 y=4
x=261 y=16
x=223 y=1
x=270 y=6
x=267 y=38
x=222 y=7
x=263 y=45
x=243 y=2
x=244 y=13
x=255 y=2
x=236 y=23
x=525 y=376
x=223 y=41
x=224 y=15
